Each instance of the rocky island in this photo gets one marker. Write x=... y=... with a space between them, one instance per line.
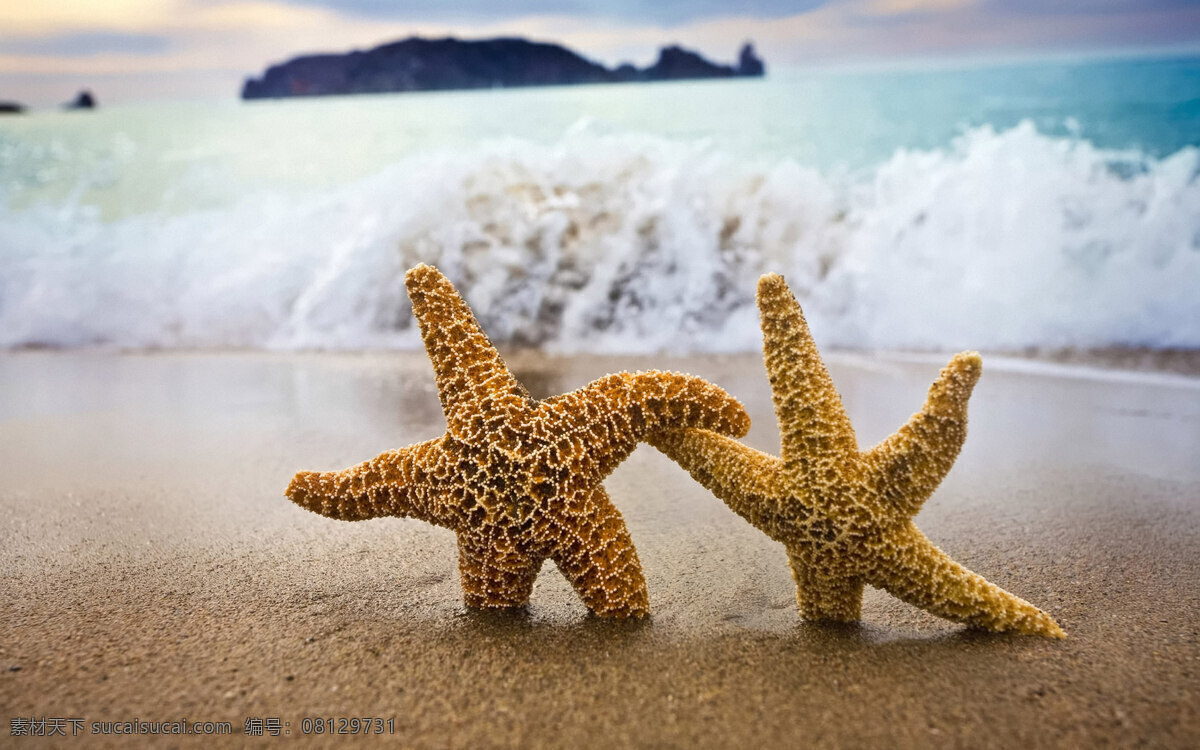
x=417 y=64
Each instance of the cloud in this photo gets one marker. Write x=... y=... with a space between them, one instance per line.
x=630 y=12
x=86 y=44
x=1083 y=7
x=905 y=7
x=22 y=19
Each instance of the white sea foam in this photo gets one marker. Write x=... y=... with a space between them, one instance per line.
x=634 y=244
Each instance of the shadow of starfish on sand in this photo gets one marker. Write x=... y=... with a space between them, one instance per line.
x=519 y=480
x=844 y=516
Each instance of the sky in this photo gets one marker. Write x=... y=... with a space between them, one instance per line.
x=127 y=50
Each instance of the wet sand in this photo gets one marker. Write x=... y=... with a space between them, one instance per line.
x=151 y=568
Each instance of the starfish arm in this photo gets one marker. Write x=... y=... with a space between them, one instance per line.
x=907 y=467
x=743 y=478
x=825 y=596
x=494 y=573
x=813 y=424
x=471 y=376
x=598 y=426
x=596 y=554
x=403 y=483
x=911 y=568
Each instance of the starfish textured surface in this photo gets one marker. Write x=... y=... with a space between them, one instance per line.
x=519 y=480
x=845 y=516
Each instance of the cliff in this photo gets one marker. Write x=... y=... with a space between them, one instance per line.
x=417 y=64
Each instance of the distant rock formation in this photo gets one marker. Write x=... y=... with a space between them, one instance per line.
x=417 y=64
x=750 y=64
x=11 y=108
x=82 y=100
x=676 y=63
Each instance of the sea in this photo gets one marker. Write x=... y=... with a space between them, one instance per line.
x=1023 y=206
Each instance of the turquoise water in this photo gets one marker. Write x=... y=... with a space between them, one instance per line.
x=1046 y=204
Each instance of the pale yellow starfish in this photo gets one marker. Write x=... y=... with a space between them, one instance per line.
x=844 y=516
x=518 y=480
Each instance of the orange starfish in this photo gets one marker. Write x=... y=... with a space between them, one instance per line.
x=519 y=480
x=844 y=516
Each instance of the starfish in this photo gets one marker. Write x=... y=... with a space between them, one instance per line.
x=519 y=480
x=845 y=516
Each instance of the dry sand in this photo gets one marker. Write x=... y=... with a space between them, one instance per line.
x=151 y=568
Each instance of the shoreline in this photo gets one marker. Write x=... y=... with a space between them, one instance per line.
x=1120 y=359
x=154 y=569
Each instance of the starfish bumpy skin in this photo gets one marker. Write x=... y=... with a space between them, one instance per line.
x=519 y=480
x=844 y=516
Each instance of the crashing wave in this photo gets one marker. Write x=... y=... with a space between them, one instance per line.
x=627 y=243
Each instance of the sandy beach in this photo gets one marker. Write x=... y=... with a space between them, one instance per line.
x=151 y=569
